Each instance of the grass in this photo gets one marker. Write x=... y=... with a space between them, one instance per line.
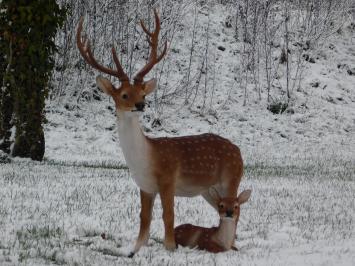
x=335 y=168
x=35 y=241
x=99 y=164
x=55 y=213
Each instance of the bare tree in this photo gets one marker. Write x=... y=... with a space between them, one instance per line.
x=275 y=41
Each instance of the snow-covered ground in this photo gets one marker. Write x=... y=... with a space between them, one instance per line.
x=300 y=165
x=56 y=214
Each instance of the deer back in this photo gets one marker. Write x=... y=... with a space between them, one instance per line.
x=188 y=235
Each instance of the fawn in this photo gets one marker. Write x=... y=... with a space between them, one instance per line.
x=215 y=239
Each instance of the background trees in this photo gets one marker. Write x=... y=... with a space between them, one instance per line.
x=274 y=41
x=261 y=48
x=27 y=45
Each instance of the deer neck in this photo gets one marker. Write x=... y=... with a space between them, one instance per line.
x=133 y=142
x=225 y=234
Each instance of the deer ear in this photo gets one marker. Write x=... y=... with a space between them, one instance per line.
x=150 y=85
x=214 y=194
x=105 y=85
x=244 y=196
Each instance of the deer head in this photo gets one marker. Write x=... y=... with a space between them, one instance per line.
x=229 y=207
x=128 y=97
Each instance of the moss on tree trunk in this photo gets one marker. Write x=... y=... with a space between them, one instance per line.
x=6 y=101
x=6 y=109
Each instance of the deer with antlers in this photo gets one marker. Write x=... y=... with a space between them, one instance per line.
x=215 y=239
x=180 y=166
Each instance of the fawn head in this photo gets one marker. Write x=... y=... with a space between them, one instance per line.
x=229 y=207
x=128 y=97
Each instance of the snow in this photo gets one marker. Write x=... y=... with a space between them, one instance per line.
x=324 y=116
x=55 y=213
x=300 y=166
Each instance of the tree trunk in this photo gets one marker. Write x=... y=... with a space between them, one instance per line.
x=6 y=108
x=28 y=115
x=6 y=102
x=29 y=139
x=28 y=29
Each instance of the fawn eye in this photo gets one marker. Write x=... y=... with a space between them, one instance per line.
x=236 y=206
x=124 y=96
x=221 y=205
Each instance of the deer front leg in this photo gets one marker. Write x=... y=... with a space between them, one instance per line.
x=147 y=202
x=167 y=200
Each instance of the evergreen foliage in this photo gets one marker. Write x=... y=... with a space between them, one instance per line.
x=28 y=29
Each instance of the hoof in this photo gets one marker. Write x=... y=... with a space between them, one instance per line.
x=131 y=255
x=234 y=248
x=171 y=246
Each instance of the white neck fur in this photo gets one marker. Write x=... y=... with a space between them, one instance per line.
x=135 y=148
x=225 y=234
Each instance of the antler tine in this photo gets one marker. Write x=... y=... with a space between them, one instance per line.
x=157 y=25
x=145 y=28
x=157 y=21
x=153 y=38
x=164 y=52
x=85 y=51
x=122 y=74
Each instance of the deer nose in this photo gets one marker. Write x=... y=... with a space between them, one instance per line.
x=140 y=106
x=229 y=213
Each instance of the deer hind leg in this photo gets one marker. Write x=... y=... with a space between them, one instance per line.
x=147 y=202
x=167 y=201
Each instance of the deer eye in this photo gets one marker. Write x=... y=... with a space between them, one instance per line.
x=236 y=206
x=124 y=96
x=221 y=206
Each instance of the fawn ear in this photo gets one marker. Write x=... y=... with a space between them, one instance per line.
x=244 y=196
x=105 y=85
x=214 y=194
x=150 y=86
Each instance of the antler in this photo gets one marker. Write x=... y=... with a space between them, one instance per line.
x=153 y=38
x=85 y=51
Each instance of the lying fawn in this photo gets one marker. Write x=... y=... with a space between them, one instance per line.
x=215 y=239
x=182 y=166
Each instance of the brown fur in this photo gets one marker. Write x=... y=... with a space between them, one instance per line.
x=214 y=239
x=183 y=166
x=204 y=241
x=200 y=160
x=194 y=163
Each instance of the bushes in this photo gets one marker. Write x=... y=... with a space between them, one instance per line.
x=277 y=107
x=287 y=29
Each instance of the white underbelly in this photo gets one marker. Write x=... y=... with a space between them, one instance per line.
x=140 y=172
x=188 y=191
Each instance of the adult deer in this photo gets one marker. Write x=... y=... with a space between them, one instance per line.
x=215 y=239
x=182 y=166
